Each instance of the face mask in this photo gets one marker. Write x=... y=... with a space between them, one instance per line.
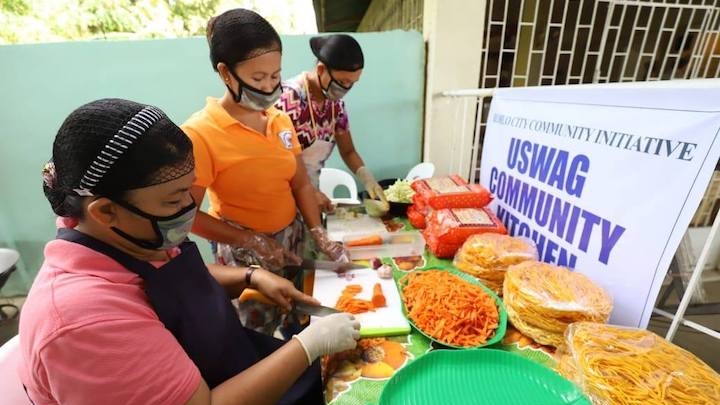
x=334 y=90
x=171 y=231
x=252 y=98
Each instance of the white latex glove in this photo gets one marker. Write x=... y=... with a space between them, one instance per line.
x=330 y=334
x=371 y=185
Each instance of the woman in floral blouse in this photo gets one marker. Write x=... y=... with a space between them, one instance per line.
x=313 y=100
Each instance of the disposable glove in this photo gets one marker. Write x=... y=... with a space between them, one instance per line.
x=265 y=251
x=371 y=185
x=334 y=250
x=330 y=334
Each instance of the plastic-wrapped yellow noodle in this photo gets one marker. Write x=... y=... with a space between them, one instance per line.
x=487 y=257
x=543 y=299
x=539 y=335
x=623 y=366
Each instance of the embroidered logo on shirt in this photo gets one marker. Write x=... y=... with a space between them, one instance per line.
x=286 y=137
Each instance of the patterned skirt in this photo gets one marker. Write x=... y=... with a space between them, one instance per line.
x=255 y=315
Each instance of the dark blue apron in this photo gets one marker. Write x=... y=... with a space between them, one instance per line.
x=197 y=310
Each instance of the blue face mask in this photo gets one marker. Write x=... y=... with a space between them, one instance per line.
x=171 y=231
x=252 y=98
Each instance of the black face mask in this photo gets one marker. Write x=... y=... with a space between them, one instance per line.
x=334 y=90
x=252 y=98
x=171 y=230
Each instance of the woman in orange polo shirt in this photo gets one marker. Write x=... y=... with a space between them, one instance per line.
x=247 y=160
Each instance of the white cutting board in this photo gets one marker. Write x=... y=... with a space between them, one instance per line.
x=337 y=228
x=386 y=321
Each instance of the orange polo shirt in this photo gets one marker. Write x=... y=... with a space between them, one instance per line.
x=246 y=173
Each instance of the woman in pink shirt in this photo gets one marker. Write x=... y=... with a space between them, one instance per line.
x=124 y=311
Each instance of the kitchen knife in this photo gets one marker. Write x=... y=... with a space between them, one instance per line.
x=313 y=310
x=351 y=205
x=291 y=270
x=311 y=264
x=250 y=294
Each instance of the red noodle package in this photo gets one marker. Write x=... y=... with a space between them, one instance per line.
x=416 y=218
x=447 y=229
x=449 y=192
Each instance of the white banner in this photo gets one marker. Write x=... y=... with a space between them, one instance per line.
x=605 y=179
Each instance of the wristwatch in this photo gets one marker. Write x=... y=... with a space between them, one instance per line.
x=248 y=274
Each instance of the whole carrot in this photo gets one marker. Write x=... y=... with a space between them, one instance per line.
x=370 y=240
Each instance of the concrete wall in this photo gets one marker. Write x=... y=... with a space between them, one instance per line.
x=41 y=84
x=454 y=32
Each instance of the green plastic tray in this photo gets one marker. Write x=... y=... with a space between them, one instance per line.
x=478 y=377
x=502 y=324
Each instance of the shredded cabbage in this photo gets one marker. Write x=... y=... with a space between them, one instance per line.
x=400 y=192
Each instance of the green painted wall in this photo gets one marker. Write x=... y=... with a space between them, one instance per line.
x=41 y=84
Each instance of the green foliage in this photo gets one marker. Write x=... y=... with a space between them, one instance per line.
x=23 y=21
x=17 y=7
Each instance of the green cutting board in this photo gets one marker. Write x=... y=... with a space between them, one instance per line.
x=386 y=321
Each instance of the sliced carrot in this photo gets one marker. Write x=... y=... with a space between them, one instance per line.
x=449 y=308
x=378 y=298
x=348 y=303
x=365 y=241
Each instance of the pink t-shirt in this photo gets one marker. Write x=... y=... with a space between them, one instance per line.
x=88 y=335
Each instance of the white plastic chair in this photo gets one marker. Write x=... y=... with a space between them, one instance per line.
x=11 y=387
x=331 y=179
x=423 y=170
x=8 y=260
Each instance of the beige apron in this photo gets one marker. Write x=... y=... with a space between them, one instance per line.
x=315 y=155
x=314 y=158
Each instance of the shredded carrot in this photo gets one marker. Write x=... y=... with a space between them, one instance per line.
x=348 y=303
x=367 y=343
x=378 y=298
x=365 y=241
x=448 y=308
